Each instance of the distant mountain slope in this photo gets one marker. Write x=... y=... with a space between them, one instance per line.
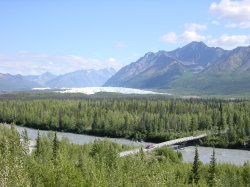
x=153 y=70
x=15 y=82
x=81 y=78
x=212 y=84
x=197 y=56
x=237 y=62
x=156 y=76
x=41 y=79
x=150 y=71
x=129 y=71
x=229 y=75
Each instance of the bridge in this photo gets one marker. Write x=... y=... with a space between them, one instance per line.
x=167 y=143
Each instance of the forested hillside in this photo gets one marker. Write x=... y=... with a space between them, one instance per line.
x=151 y=119
x=60 y=163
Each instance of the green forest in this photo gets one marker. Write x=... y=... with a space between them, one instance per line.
x=60 y=163
x=153 y=119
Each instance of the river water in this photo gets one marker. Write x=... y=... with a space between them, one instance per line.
x=77 y=138
x=231 y=156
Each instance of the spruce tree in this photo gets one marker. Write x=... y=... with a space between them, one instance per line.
x=192 y=125
x=222 y=122
x=195 y=175
x=80 y=162
x=246 y=174
x=212 y=170
x=55 y=147
x=247 y=126
x=95 y=121
x=141 y=154
x=25 y=142
x=38 y=144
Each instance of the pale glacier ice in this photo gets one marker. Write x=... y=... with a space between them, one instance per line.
x=93 y=90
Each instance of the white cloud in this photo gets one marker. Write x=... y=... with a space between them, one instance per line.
x=244 y=24
x=31 y=63
x=234 y=11
x=240 y=25
x=195 y=27
x=190 y=34
x=229 y=41
x=111 y=59
x=231 y=25
x=3 y=56
x=170 y=37
x=215 y=22
x=80 y=62
x=186 y=36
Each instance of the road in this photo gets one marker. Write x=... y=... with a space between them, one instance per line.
x=167 y=143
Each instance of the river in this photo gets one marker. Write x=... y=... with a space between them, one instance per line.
x=231 y=156
x=77 y=138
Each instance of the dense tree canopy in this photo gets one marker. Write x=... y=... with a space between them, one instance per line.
x=149 y=118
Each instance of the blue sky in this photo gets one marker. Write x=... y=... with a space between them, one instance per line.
x=62 y=36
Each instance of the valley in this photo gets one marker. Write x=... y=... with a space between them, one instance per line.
x=125 y=93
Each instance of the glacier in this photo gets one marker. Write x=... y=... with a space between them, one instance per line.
x=93 y=90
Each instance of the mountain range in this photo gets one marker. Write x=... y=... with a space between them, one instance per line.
x=194 y=68
x=41 y=79
x=80 y=78
x=15 y=82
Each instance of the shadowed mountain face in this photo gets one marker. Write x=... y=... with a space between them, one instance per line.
x=194 y=66
x=236 y=61
x=196 y=56
x=150 y=71
x=155 y=70
x=81 y=78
